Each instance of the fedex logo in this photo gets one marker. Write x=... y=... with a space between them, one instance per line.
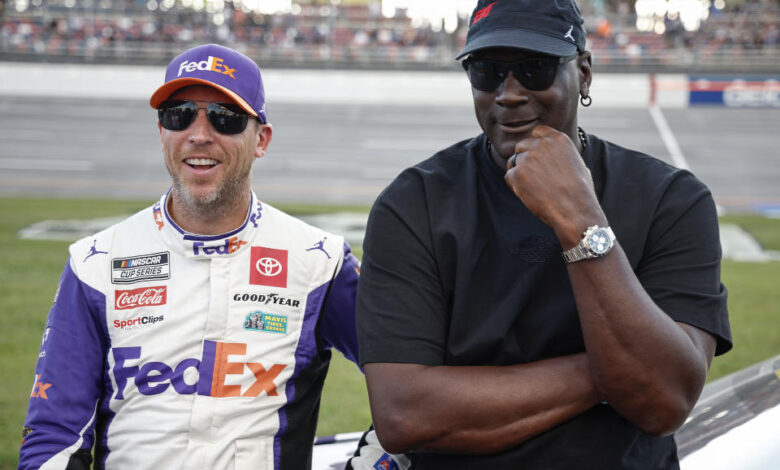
x=39 y=388
x=158 y=217
x=231 y=245
x=213 y=368
x=255 y=216
x=213 y=64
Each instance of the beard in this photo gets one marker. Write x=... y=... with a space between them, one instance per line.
x=213 y=203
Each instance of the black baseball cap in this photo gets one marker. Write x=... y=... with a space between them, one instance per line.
x=552 y=27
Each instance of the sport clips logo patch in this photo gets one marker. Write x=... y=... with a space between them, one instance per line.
x=213 y=64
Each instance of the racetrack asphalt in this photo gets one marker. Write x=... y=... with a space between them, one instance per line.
x=347 y=153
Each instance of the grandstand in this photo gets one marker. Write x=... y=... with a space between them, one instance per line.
x=624 y=35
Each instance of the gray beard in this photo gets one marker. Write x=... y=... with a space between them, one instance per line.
x=213 y=205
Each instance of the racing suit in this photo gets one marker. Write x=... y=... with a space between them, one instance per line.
x=171 y=350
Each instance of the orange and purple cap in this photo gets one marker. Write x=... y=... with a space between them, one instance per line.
x=225 y=69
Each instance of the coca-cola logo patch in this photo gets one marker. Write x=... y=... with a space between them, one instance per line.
x=143 y=297
x=268 y=267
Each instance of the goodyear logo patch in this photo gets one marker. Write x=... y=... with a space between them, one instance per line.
x=260 y=321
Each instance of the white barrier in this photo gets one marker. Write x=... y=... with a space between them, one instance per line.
x=320 y=86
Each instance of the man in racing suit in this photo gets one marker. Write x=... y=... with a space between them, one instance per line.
x=197 y=332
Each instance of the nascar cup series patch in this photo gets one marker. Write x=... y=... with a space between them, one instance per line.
x=153 y=266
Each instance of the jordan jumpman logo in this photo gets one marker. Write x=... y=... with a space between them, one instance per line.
x=568 y=33
x=320 y=246
x=94 y=251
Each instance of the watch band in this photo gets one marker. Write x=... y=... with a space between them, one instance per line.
x=596 y=242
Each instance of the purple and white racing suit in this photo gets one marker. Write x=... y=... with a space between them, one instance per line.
x=169 y=350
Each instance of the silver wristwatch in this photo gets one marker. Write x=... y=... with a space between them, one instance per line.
x=596 y=242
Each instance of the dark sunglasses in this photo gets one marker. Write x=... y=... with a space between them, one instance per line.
x=227 y=118
x=535 y=73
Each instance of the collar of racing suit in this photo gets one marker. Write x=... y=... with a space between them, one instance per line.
x=208 y=246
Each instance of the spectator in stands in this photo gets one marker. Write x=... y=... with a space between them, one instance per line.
x=56 y=31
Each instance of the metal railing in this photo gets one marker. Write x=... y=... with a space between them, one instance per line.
x=389 y=57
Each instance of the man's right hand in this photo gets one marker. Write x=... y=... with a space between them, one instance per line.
x=551 y=179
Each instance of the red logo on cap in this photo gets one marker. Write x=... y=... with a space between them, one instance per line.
x=483 y=13
x=268 y=267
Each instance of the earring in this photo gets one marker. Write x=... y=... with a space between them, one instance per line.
x=586 y=100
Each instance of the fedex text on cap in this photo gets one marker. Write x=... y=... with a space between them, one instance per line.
x=213 y=64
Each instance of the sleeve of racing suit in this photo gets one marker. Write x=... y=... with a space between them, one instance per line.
x=337 y=321
x=58 y=430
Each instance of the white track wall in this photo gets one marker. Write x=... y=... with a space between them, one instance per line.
x=321 y=86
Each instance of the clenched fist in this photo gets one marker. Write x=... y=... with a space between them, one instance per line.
x=548 y=174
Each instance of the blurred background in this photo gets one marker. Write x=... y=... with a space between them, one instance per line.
x=359 y=89
x=625 y=35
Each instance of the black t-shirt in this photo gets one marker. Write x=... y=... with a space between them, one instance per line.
x=457 y=271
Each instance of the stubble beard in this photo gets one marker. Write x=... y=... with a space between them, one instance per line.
x=211 y=204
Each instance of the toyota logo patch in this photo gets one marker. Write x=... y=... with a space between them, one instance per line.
x=268 y=267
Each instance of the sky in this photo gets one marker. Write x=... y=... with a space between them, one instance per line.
x=432 y=10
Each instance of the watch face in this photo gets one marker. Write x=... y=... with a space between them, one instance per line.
x=599 y=241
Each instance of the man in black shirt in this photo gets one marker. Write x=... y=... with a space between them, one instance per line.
x=536 y=297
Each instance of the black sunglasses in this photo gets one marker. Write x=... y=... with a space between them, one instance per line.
x=535 y=73
x=227 y=118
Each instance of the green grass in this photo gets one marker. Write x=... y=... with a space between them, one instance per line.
x=754 y=300
x=29 y=272
x=765 y=230
x=754 y=312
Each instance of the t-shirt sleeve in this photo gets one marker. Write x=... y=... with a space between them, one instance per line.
x=401 y=309
x=680 y=266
